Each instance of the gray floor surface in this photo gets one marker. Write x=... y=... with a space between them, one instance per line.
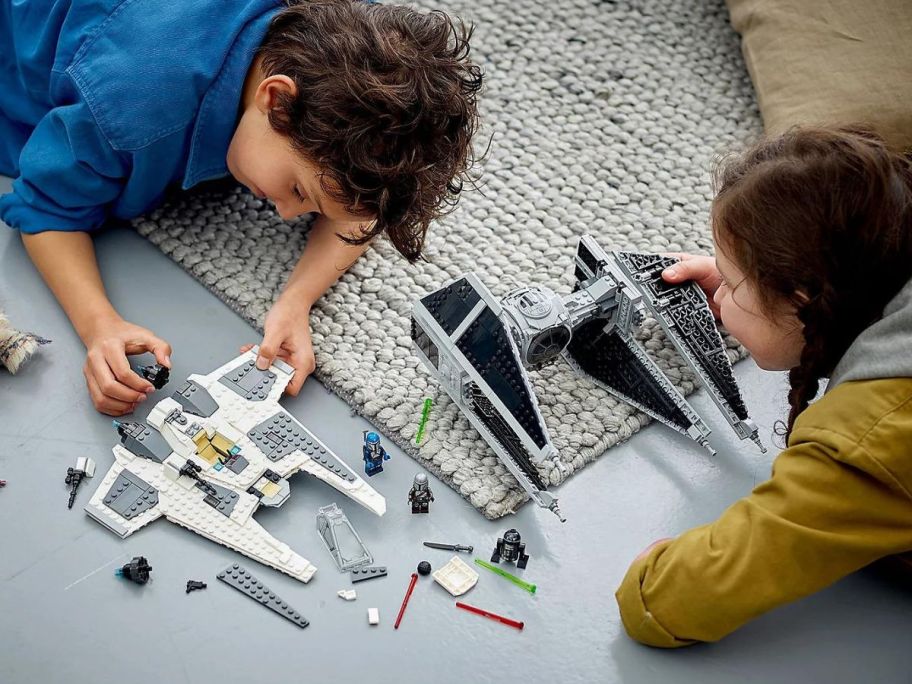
x=64 y=617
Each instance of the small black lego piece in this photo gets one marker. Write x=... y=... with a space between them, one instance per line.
x=510 y=549
x=420 y=495
x=137 y=570
x=157 y=374
x=424 y=568
x=194 y=585
x=85 y=467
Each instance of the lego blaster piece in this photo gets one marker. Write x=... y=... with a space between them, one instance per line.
x=459 y=334
x=685 y=316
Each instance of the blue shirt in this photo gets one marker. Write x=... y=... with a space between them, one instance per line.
x=106 y=103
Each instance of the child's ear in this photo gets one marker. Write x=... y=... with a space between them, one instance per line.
x=272 y=89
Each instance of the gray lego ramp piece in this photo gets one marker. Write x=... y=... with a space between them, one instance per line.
x=236 y=464
x=279 y=436
x=195 y=399
x=249 y=382
x=130 y=495
x=145 y=441
x=244 y=581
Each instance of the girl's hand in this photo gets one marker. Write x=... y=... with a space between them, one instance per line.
x=287 y=337
x=700 y=269
x=114 y=387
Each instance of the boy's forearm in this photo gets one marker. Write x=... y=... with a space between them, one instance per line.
x=66 y=261
x=324 y=260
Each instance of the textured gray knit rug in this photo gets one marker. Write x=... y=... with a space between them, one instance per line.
x=604 y=117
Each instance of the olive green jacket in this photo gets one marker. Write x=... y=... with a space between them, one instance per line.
x=840 y=497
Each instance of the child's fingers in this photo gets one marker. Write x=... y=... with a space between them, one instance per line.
x=162 y=351
x=104 y=403
x=269 y=347
x=246 y=348
x=303 y=369
x=700 y=269
x=98 y=367
x=144 y=341
x=126 y=376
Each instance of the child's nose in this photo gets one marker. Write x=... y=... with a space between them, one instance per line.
x=287 y=211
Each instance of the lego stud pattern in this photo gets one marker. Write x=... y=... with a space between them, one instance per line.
x=363 y=574
x=249 y=382
x=608 y=127
x=237 y=576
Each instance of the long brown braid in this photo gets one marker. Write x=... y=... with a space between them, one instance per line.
x=820 y=221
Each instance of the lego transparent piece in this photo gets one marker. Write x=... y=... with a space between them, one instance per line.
x=340 y=538
x=456 y=577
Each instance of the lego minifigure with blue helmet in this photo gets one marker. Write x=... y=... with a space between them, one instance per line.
x=374 y=454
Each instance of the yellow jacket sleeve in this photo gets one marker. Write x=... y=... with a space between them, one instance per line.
x=829 y=509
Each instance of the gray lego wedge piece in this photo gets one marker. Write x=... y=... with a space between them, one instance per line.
x=115 y=527
x=145 y=441
x=195 y=399
x=224 y=500
x=249 y=382
x=364 y=574
x=130 y=495
x=236 y=464
x=279 y=436
x=244 y=581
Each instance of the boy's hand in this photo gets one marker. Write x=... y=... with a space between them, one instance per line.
x=287 y=337
x=114 y=387
x=700 y=269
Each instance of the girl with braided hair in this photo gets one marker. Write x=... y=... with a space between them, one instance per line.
x=813 y=274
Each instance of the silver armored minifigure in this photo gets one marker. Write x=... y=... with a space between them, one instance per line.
x=420 y=495
x=479 y=349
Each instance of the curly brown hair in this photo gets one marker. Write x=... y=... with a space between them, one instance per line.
x=385 y=106
x=820 y=221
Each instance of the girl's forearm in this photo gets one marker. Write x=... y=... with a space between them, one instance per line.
x=324 y=260
x=66 y=261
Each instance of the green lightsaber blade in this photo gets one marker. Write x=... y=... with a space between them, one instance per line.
x=528 y=586
x=424 y=416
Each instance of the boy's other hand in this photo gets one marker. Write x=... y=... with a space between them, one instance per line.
x=113 y=385
x=287 y=337
x=700 y=269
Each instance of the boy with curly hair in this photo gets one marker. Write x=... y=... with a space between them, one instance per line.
x=360 y=112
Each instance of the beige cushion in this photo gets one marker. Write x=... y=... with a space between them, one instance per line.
x=830 y=62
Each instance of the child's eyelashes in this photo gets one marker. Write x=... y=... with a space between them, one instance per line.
x=298 y=194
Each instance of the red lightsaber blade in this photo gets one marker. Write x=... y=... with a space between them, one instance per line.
x=493 y=616
x=405 y=601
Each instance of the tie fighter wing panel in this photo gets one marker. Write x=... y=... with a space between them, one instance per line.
x=460 y=336
x=619 y=365
x=687 y=320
